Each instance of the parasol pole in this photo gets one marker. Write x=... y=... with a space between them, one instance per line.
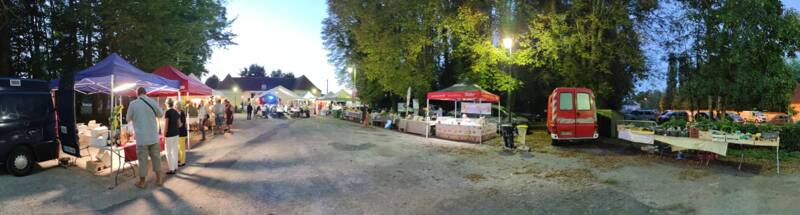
x=112 y=130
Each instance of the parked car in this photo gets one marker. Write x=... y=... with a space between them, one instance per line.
x=650 y=115
x=733 y=117
x=780 y=119
x=673 y=114
x=27 y=125
x=754 y=116
x=571 y=115
x=703 y=115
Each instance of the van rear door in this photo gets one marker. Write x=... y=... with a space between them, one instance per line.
x=585 y=115
x=564 y=115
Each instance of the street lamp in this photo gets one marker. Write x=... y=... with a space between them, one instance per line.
x=508 y=43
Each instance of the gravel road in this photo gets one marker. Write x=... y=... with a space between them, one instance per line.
x=325 y=166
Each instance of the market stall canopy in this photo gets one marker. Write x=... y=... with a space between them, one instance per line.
x=126 y=77
x=269 y=98
x=194 y=77
x=188 y=85
x=341 y=96
x=283 y=93
x=464 y=92
x=309 y=96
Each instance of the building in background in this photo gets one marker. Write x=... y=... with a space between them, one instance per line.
x=239 y=89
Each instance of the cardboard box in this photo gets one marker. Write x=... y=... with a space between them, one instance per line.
x=94 y=166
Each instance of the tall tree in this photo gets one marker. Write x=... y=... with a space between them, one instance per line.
x=212 y=81
x=281 y=74
x=254 y=70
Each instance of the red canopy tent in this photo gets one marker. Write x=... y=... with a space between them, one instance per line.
x=189 y=86
x=462 y=92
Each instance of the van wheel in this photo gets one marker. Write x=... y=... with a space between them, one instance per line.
x=20 y=161
x=554 y=142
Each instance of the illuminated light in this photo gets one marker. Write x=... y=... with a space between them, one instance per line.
x=508 y=42
x=123 y=87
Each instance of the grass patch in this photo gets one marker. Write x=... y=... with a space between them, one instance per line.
x=610 y=182
x=762 y=153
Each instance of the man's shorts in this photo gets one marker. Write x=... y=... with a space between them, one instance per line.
x=219 y=120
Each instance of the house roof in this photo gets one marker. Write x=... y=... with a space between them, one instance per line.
x=266 y=83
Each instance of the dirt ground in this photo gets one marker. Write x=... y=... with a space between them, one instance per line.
x=327 y=166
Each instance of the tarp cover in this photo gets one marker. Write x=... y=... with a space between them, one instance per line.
x=341 y=96
x=269 y=98
x=188 y=84
x=283 y=93
x=97 y=78
x=464 y=92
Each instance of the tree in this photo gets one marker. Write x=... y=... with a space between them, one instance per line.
x=280 y=74
x=212 y=81
x=740 y=49
x=254 y=70
x=47 y=38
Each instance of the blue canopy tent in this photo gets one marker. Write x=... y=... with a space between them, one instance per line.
x=114 y=74
x=269 y=98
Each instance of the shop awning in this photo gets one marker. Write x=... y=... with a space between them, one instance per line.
x=283 y=93
x=464 y=92
x=126 y=78
x=188 y=84
x=341 y=96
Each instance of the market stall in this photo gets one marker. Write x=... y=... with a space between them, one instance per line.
x=188 y=87
x=116 y=77
x=710 y=141
x=462 y=128
x=332 y=103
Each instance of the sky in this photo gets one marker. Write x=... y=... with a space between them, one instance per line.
x=280 y=34
x=276 y=34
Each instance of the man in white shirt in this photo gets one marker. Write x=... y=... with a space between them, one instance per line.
x=143 y=113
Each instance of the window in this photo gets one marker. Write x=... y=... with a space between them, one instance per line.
x=565 y=101
x=13 y=107
x=584 y=102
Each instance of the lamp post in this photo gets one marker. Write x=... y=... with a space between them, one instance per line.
x=508 y=43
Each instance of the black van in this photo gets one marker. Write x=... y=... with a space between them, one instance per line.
x=27 y=125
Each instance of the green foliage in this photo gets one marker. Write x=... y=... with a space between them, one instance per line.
x=281 y=74
x=254 y=70
x=212 y=81
x=429 y=45
x=790 y=137
x=738 y=52
x=47 y=39
x=705 y=124
x=675 y=123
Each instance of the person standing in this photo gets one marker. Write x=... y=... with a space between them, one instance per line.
x=219 y=113
x=202 y=116
x=143 y=113
x=171 y=125
x=228 y=117
x=249 y=111
x=183 y=132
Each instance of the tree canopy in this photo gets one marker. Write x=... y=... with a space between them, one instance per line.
x=254 y=70
x=428 y=45
x=281 y=74
x=41 y=39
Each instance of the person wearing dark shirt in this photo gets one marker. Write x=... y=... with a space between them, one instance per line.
x=249 y=111
x=229 y=117
x=182 y=133
x=172 y=123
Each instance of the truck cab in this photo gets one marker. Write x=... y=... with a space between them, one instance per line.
x=571 y=115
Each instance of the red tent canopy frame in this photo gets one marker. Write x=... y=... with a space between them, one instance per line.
x=464 y=92
x=461 y=92
x=189 y=86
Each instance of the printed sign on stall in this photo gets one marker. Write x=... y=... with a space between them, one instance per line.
x=476 y=108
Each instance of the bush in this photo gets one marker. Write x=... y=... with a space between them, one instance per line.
x=790 y=137
x=675 y=123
